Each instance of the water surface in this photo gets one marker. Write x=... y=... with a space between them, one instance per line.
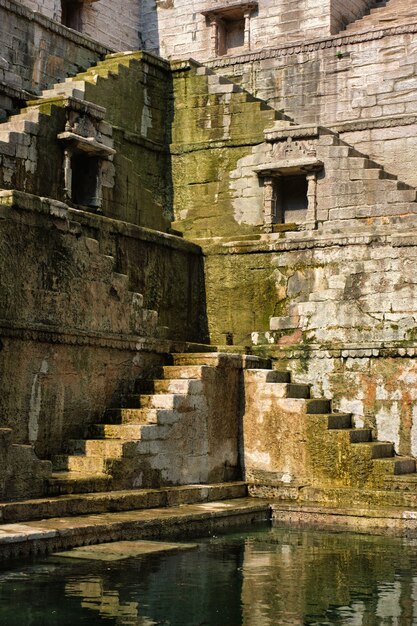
x=264 y=577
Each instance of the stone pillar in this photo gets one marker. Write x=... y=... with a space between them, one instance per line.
x=311 y=217
x=67 y=174
x=268 y=204
x=247 y=15
x=214 y=35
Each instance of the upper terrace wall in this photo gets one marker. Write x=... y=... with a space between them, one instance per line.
x=36 y=52
x=113 y=23
x=179 y=29
x=366 y=78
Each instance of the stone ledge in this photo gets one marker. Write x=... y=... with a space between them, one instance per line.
x=293 y=241
x=390 y=121
x=387 y=520
x=89 y=503
x=335 y=41
x=189 y=520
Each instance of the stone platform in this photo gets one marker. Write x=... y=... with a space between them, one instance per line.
x=172 y=513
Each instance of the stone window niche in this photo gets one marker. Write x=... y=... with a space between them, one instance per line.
x=290 y=193
x=230 y=28
x=88 y=149
x=72 y=13
x=86 y=179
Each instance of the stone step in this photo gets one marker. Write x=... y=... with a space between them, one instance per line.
x=216 y=359
x=293 y=390
x=62 y=533
x=184 y=371
x=97 y=447
x=396 y=465
x=384 y=14
x=338 y=421
x=171 y=385
x=403 y=483
x=267 y=376
x=21 y=125
x=318 y=406
x=79 y=463
x=360 y=435
x=62 y=482
x=89 y=503
x=168 y=401
x=131 y=415
x=377 y=449
x=114 y=431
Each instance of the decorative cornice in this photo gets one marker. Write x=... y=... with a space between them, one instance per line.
x=43 y=334
x=355 y=351
x=335 y=41
x=390 y=121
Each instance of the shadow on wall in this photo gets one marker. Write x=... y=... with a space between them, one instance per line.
x=149 y=23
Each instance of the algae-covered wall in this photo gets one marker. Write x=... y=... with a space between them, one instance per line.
x=135 y=91
x=75 y=330
x=338 y=310
x=215 y=126
x=360 y=84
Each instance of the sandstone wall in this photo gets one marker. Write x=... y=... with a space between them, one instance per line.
x=342 y=318
x=112 y=24
x=75 y=332
x=178 y=29
x=366 y=78
x=37 y=52
x=135 y=91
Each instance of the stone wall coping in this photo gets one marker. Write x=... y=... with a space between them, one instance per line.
x=42 y=333
x=333 y=41
x=388 y=121
x=301 y=240
x=55 y=27
x=12 y=199
x=14 y=92
x=133 y=231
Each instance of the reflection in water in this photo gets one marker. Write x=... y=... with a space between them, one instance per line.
x=266 y=577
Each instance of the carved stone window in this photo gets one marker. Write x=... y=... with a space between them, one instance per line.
x=88 y=154
x=290 y=193
x=230 y=27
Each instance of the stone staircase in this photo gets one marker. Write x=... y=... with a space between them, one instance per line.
x=360 y=189
x=384 y=14
x=135 y=445
x=354 y=186
x=312 y=449
x=160 y=435
x=210 y=107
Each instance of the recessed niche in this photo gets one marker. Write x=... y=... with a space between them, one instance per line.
x=86 y=180
x=292 y=200
x=71 y=14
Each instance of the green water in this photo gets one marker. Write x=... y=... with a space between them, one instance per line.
x=259 y=578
